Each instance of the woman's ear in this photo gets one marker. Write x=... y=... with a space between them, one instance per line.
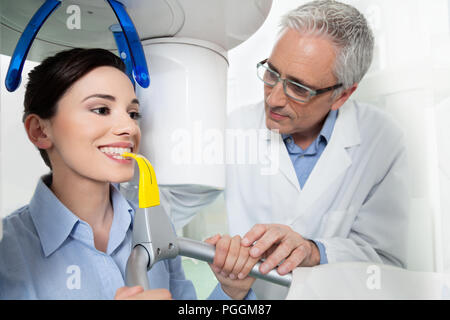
x=344 y=97
x=36 y=129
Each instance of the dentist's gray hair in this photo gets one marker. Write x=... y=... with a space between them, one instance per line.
x=348 y=30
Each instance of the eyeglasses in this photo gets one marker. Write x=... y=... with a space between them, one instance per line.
x=292 y=89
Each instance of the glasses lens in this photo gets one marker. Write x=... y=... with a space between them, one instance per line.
x=268 y=76
x=296 y=91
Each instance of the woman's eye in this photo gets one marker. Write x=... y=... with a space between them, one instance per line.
x=135 y=115
x=101 y=110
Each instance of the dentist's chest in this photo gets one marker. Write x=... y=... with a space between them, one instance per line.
x=327 y=204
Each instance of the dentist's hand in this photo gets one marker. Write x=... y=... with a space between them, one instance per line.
x=138 y=293
x=277 y=242
x=232 y=264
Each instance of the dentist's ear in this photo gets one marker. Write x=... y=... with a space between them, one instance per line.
x=345 y=95
x=36 y=129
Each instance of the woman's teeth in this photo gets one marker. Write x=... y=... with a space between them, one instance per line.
x=115 y=152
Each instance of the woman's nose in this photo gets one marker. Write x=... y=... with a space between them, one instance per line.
x=125 y=125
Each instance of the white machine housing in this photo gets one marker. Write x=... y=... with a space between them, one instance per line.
x=185 y=43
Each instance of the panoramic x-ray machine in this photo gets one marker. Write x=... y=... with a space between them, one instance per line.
x=185 y=43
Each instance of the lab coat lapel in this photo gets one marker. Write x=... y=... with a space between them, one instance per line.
x=277 y=153
x=335 y=159
x=333 y=163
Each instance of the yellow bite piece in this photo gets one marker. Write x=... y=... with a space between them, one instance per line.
x=148 y=187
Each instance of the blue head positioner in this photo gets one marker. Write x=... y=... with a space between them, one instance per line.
x=127 y=39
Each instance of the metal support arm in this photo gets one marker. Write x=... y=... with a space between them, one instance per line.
x=137 y=266
x=140 y=260
x=154 y=239
x=205 y=252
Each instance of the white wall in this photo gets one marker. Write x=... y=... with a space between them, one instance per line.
x=20 y=163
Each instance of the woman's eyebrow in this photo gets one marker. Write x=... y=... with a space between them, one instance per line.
x=102 y=96
x=109 y=97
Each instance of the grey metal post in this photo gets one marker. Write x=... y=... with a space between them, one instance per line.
x=137 y=265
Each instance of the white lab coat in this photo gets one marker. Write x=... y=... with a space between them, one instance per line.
x=355 y=201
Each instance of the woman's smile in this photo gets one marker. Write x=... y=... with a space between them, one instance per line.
x=114 y=152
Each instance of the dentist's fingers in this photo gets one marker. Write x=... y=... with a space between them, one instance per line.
x=284 y=250
x=273 y=235
x=254 y=234
x=294 y=260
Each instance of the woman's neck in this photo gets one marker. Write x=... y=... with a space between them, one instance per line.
x=87 y=199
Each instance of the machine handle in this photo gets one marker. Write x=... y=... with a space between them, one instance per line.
x=134 y=43
x=205 y=252
x=124 y=50
x=14 y=74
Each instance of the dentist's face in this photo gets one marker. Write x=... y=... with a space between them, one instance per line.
x=306 y=60
x=96 y=120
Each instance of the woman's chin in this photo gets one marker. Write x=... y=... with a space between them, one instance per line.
x=120 y=178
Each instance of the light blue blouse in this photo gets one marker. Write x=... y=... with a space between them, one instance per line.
x=47 y=252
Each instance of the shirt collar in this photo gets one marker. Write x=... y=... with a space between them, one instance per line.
x=327 y=129
x=123 y=219
x=54 y=222
x=328 y=126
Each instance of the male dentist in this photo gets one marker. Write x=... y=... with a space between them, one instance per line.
x=340 y=193
x=331 y=181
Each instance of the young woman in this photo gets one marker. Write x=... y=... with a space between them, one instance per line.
x=73 y=239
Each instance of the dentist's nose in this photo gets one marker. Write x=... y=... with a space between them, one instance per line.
x=275 y=96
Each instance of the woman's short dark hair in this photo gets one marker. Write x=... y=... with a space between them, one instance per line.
x=48 y=82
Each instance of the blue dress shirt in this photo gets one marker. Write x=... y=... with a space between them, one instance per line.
x=304 y=161
x=47 y=252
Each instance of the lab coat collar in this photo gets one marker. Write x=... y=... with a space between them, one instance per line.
x=348 y=132
x=334 y=159
x=54 y=222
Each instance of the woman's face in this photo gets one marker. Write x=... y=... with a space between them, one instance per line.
x=96 y=120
